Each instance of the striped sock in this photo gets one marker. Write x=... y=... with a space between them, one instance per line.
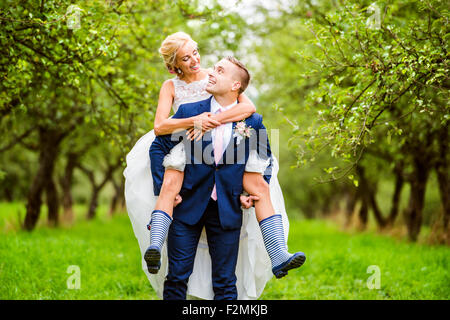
x=273 y=236
x=160 y=224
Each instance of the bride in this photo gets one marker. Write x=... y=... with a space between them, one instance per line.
x=253 y=269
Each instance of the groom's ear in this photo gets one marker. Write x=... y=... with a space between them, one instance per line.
x=236 y=85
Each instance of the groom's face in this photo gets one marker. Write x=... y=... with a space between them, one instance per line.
x=222 y=79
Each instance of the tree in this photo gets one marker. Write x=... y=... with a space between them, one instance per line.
x=83 y=71
x=366 y=76
x=391 y=79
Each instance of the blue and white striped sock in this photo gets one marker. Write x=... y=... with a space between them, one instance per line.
x=273 y=236
x=159 y=227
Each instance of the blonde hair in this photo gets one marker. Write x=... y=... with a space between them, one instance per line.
x=170 y=46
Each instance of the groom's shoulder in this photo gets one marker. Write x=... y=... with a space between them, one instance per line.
x=192 y=106
x=254 y=120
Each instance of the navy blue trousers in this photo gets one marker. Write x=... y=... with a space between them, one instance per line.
x=182 y=244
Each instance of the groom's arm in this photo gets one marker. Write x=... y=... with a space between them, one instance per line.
x=160 y=147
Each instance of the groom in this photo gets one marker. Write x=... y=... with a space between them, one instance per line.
x=212 y=185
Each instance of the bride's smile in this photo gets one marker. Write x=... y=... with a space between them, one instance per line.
x=196 y=67
x=188 y=59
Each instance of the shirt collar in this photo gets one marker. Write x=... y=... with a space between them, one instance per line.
x=215 y=105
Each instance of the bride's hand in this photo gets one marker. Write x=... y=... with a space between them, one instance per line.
x=206 y=121
x=177 y=201
x=202 y=123
x=248 y=201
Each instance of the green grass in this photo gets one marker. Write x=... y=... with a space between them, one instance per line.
x=34 y=265
x=337 y=262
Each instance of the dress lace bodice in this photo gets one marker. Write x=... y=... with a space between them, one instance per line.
x=189 y=92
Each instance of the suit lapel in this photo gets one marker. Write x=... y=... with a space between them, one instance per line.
x=205 y=106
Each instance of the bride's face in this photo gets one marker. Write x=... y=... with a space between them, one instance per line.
x=188 y=58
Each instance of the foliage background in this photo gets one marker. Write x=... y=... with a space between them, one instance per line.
x=355 y=94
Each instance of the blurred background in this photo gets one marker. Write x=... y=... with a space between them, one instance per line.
x=354 y=94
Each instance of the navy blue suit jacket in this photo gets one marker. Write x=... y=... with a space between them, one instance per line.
x=201 y=171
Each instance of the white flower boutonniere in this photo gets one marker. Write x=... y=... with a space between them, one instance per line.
x=242 y=131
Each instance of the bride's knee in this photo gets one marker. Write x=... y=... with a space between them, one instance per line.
x=172 y=182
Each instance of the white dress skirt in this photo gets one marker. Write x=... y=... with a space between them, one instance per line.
x=253 y=268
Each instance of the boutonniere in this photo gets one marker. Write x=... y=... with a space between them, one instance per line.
x=242 y=131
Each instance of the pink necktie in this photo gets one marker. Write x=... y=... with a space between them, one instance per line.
x=218 y=150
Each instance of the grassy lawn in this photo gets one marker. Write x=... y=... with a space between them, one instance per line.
x=337 y=263
x=34 y=265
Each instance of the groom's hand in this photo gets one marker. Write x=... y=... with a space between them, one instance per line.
x=248 y=201
x=177 y=201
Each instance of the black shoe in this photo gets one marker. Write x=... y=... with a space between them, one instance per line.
x=153 y=258
x=296 y=261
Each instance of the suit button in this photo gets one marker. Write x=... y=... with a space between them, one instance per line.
x=217 y=169
x=210 y=189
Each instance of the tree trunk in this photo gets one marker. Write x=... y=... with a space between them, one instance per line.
x=8 y=194
x=363 y=194
x=66 y=185
x=363 y=214
x=118 y=196
x=389 y=221
x=443 y=181
x=34 y=200
x=49 y=141
x=52 y=202
x=443 y=232
x=93 y=203
x=399 y=181
x=326 y=205
x=352 y=198
x=97 y=188
x=381 y=222
x=413 y=213
x=309 y=208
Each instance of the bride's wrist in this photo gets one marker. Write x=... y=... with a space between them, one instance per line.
x=215 y=117
x=193 y=121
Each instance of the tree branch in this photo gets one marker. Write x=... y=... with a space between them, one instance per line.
x=17 y=140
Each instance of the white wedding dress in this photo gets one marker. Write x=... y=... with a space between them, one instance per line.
x=253 y=268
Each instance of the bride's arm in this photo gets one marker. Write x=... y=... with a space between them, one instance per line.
x=164 y=125
x=244 y=109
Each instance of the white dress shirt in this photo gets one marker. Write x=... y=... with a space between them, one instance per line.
x=228 y=129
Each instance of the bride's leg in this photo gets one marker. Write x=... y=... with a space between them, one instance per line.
x=271 y=225
x=255 y=185
x=173 y=180
x=162 y=217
